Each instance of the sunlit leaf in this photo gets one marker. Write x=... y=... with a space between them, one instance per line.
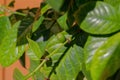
x=106 y=59
x=36 y=50
x=37 y=23
x=45 y=8
x=4 y=27
x=9 y=53
x=92 y=44
x=63 y=21
x=104 y=19
x=115 y=3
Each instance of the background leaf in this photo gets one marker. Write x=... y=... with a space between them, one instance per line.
x=55 y=4
x=82 y=11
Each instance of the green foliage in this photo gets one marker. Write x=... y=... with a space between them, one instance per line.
x=55 y=4
x=9 y=52
x=105 y=57
x=4 y=27
x=96 y=22
x=64 y=39
x=68 y=65
x=36 y=51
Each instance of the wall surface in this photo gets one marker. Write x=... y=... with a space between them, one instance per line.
x=7 y=73
x=20 y=4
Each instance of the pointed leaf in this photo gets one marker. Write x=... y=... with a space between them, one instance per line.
x=104 y=19
x=45 y=8
x=106 y=59
x=9 y=53
x=36 y=50
x=63 y=22
x=4 y=27
x=92 y=44
x=70 y=65
x=37 y=23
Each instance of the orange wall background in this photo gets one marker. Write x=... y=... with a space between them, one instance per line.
x=7 y=73
x=23 y=3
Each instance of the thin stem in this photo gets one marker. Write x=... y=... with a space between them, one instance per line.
x=18 y=13
x=44 y=61
x=32 y=73
x=56 y=49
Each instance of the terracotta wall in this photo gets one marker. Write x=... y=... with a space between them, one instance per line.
x=6 y=73
x=23 y=3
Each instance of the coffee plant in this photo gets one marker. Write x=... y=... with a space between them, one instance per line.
x=64 y=39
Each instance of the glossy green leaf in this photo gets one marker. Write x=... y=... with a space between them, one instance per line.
x=115 y=3
x=37 y=23
x=36 y=53
x=18 y=75
x=70 y=65
x=63 y=21
x=55 y=4
x=4 y=27
x=9 y=53
x=32 y=54
x=92 y=44
x=106 y=59
x=104 y=19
